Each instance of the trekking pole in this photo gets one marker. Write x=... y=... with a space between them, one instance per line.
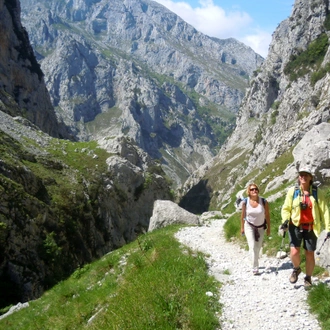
x=278 y=263
x=319 y=251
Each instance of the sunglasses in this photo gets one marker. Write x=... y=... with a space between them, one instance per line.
x=254 y=189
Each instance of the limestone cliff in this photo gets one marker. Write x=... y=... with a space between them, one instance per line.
x=22 y=87
x=133 y=67
x=287 y=104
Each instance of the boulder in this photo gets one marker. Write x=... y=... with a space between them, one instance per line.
x=166 y=213
x=317 y=156
x=322 y=255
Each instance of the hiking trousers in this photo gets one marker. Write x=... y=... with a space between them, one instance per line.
x=254 y=247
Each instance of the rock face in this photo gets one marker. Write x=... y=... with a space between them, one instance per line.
x=318 y=155
x=133 y=67
x=59 y=212
x=285 y=108
x=22 y=87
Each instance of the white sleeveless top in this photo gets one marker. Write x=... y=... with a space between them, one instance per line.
x=255 y=215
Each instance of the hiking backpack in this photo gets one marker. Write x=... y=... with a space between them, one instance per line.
x=297 y=191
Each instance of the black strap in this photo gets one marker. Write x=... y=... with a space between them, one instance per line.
x=255 y=229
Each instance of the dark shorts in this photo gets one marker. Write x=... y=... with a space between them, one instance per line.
x=296 y=236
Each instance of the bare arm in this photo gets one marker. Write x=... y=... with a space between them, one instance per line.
x=242 y=217
x=267 y=216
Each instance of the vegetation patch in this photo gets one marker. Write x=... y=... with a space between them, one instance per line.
x=304 y=61
x=104 y=120
x=152 y=283
x=319 y=74
x=319 y=302
x=221 y=121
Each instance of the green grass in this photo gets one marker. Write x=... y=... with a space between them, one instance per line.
x=103 y=120
x=82 y=156
x=319 y=302
x=152 y=283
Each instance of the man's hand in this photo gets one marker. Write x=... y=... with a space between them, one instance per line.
x=283 y=228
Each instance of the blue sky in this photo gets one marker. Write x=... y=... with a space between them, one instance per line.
x=249 y=21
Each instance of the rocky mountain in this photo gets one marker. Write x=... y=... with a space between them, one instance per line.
x=63 y=203
x=283 y=121
x=22 y=88
x=133 y=68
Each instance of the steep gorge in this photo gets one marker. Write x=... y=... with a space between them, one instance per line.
x=66 y=203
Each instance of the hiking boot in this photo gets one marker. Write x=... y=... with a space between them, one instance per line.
x=307 y=282
x=255 y=271
x=294 y=275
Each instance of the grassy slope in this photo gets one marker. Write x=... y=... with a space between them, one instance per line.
x=161 y=287
x=152 y=283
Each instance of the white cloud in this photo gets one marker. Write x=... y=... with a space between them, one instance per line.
x=259 y=42
x=214 y=21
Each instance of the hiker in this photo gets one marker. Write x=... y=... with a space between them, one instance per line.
x=255 y=220
x=303 y=211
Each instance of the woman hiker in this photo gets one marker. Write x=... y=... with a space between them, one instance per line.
x=255 y=220
x=304 y=210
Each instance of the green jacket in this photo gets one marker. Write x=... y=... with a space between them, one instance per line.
x=320 y=211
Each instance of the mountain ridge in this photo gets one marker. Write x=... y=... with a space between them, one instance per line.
x=143 y=72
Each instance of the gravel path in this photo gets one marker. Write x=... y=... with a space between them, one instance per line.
x=267 y=301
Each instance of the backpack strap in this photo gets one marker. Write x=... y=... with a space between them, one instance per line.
x=314 y=192
x=245 y=200
x=297 y=192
